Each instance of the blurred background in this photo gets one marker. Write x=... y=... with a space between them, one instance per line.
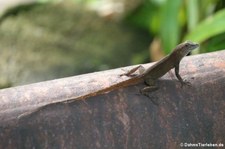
x=48 y=39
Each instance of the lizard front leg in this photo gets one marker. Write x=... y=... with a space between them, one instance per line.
x=179 y=77
x=130 y=72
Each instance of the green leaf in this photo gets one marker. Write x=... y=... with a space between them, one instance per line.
x=143 y=16
x=212 y=26
x=192 y=14
x=214 y=44
x=170 y=31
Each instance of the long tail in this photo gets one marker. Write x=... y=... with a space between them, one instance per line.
x=126 y=83
x=132 y=81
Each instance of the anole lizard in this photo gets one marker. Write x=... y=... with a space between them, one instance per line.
x=149 y=76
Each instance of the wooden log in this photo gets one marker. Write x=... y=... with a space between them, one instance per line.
x=122 y=118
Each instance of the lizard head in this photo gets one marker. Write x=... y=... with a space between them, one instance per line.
x=186 y=47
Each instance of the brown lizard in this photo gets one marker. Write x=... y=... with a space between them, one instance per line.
x=149 y=76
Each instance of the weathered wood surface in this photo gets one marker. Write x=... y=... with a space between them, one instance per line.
x=122 y=118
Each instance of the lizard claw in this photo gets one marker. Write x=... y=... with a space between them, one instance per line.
x=152 y=99
x=149 y=97
x=185 y=83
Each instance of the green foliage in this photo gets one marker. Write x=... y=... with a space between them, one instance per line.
x=169 y=30
x=175 y=21
x=192 y=13
x=45 y=1
x=209 y=28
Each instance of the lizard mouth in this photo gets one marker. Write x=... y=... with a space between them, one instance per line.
x=192 y=45
x=195 y=45
x=188 y=47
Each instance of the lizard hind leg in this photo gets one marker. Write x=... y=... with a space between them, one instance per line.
x=151 y=87
x=143 y=92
